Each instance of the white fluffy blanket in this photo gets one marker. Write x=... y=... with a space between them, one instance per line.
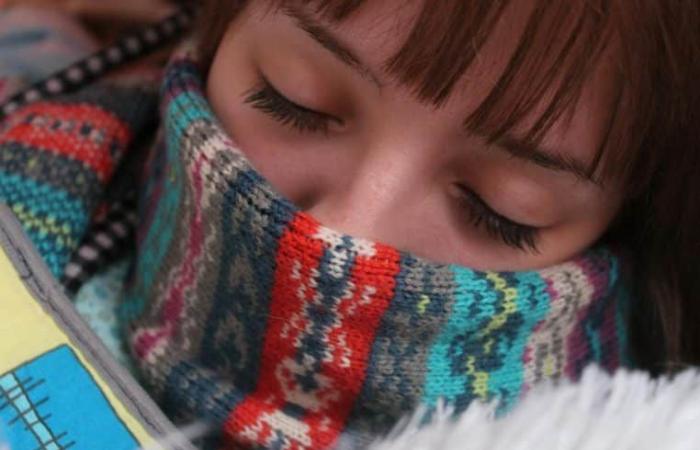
x=626 y=411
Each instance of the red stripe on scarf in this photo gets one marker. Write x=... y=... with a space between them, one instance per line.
x=95 y=148
x=348 y=344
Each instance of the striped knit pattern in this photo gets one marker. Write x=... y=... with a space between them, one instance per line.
x=57 y=157
x=245 y=311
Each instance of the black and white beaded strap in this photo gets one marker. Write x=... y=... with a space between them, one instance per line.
x=127 y=49
x=108 y=239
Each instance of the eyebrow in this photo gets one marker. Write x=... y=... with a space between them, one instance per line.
x=531 y=153
x=331 y=43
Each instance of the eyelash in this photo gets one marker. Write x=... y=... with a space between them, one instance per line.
x=516 y=235
x=270 y=101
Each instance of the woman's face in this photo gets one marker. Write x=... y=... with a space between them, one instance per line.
x=310 y=104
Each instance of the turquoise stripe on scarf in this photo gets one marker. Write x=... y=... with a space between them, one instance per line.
x=479 y=352
x=40 y=206
x=181 y=115
x=159 y=238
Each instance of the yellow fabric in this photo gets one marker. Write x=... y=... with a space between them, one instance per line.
x=26 y=331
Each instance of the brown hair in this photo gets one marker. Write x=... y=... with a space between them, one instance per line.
x=652 y=142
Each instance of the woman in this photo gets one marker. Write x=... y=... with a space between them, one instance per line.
x=543 y=156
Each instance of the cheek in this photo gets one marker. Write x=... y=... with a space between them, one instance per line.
x=587 y=224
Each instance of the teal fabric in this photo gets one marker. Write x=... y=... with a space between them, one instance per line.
x=97 y=302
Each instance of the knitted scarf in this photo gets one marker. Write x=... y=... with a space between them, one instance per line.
x=244 y=310
x=58 y=158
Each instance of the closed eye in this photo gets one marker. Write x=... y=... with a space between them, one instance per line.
x=480 y=214
x=270 y=101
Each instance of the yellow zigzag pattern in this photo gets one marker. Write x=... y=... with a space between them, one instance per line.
x=46 y=225
x=480 y=385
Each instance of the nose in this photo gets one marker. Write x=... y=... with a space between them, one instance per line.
x=373 y=197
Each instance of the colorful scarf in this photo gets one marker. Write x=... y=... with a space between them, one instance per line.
x=243 y=310
x=58 y=157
